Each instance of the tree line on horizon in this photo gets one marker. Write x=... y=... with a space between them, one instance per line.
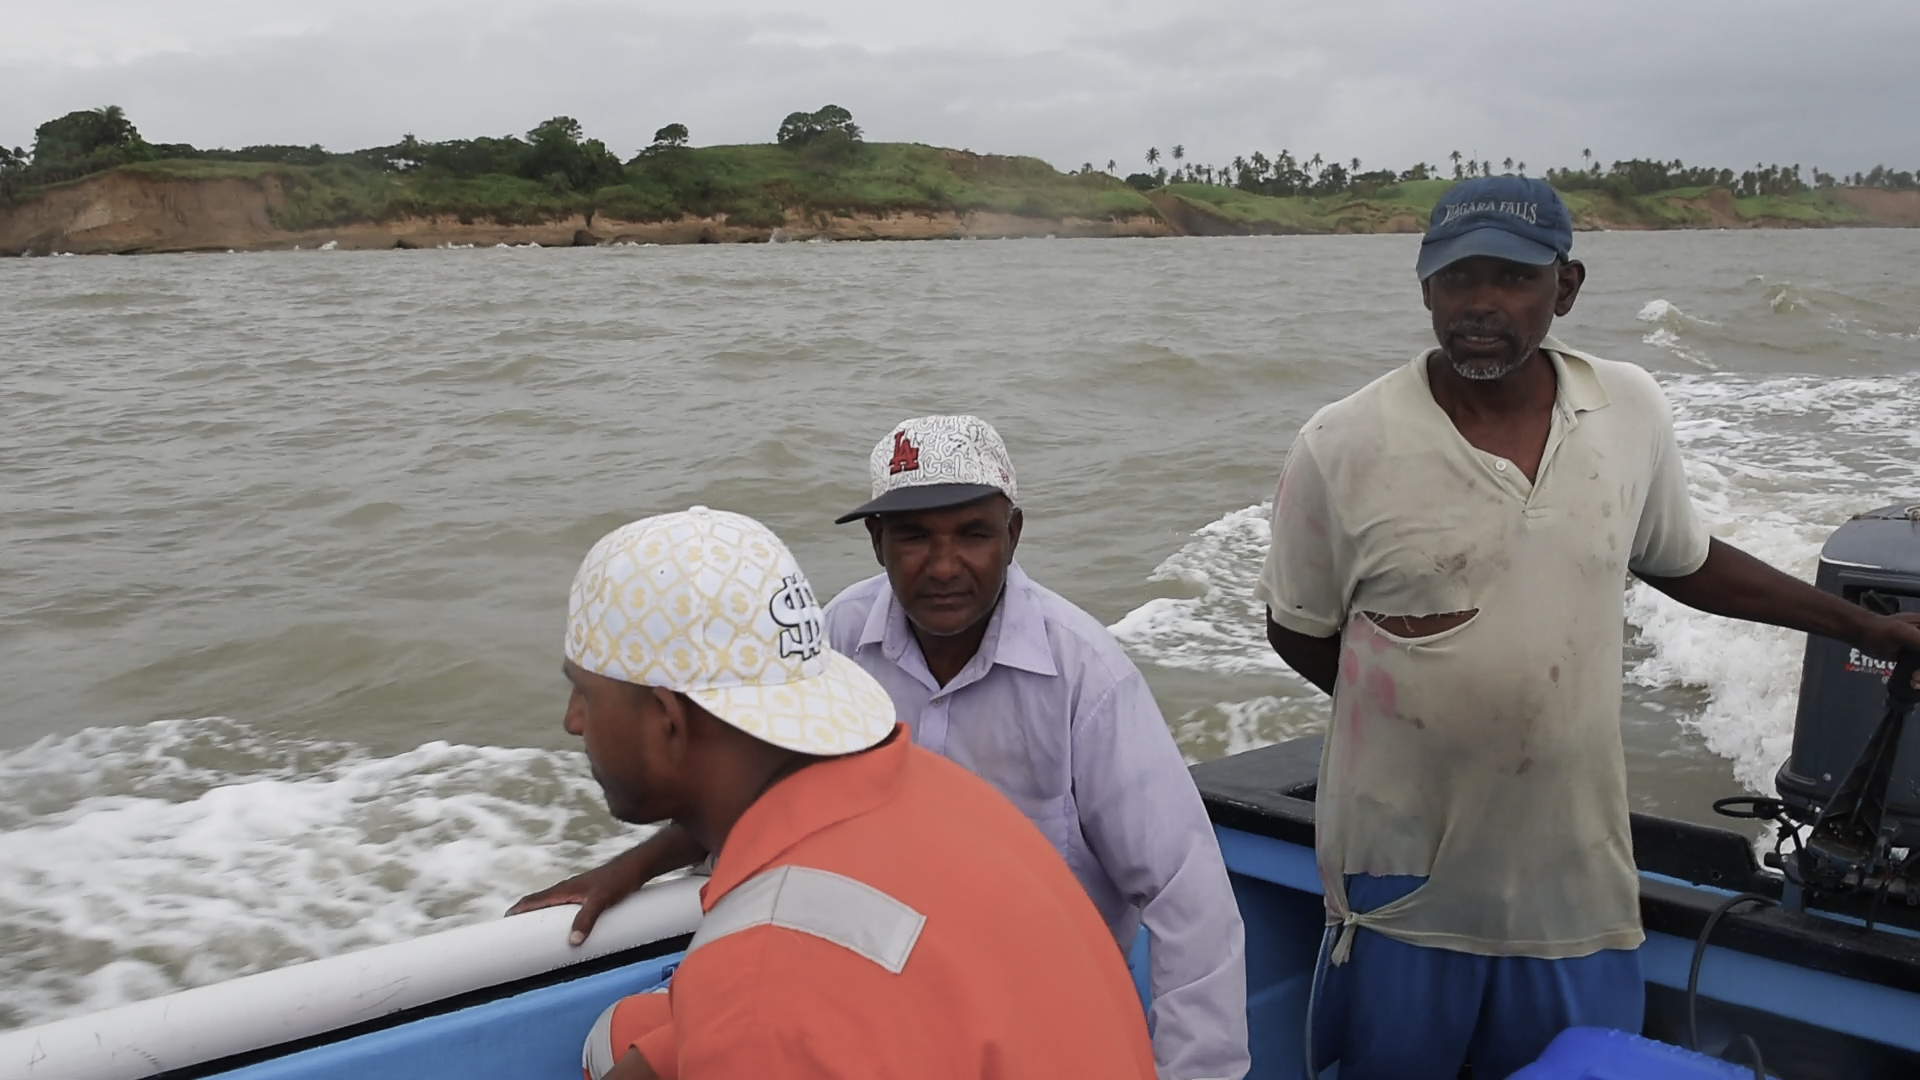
x=1284 y=175
x=559 y=154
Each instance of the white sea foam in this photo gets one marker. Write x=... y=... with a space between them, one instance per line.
x=1774 y=464
x=224 y=851
x=1223 y=628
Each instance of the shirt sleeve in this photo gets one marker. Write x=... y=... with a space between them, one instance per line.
x=1671 y=540
x=751 y=1010
x=1143 y=819
x=1304 y=582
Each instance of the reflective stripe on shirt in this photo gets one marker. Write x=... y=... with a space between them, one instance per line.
x=829 y=906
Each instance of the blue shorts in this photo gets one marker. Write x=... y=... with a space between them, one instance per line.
x=1395 y=1011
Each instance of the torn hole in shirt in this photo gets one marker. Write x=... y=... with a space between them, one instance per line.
x=1419 y=626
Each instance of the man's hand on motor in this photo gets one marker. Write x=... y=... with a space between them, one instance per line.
x=1887 y=636
x=604 y=886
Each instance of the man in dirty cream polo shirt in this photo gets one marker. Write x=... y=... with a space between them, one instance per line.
x=1450 y=552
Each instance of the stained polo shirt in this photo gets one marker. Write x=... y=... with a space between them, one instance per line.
x=1486 y=758
x=888 y=915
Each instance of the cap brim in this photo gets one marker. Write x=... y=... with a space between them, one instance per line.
x=1490 y=242
x=843 y=710
x=924 y=497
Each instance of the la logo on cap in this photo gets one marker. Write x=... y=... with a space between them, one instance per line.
x=906 y=456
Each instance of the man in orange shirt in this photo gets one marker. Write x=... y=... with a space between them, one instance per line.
x=874 y=910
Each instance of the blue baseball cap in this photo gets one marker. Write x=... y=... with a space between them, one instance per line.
x=1506 y=217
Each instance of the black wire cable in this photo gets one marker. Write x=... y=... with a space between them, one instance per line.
x=1753 y=1051
x=1693 y=975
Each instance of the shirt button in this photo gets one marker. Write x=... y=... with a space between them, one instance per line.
x=1500 y=465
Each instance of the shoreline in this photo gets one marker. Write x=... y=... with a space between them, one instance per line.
x=127 y=212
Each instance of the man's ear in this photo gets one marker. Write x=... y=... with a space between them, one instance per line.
x=1015 y=519
x=676 y=722
x=1426 y=293
x=1571 y=275
x=874 y=531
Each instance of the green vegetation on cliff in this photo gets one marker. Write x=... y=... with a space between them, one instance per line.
x=754 y=186
x=820 y=167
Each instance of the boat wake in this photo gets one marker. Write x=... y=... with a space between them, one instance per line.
x=223 y=851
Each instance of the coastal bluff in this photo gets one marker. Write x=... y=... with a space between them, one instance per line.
x=144 y=209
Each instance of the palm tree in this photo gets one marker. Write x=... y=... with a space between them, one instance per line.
x=114 y=124
x=1153 y=156
x=1179 y=152
x=1523 y=168
x=1507 y=164
x=1456 y=164
x=1110 y=164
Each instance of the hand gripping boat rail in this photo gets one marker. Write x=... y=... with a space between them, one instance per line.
x=274 y=1008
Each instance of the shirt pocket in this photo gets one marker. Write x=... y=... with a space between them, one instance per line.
x=1051 y=814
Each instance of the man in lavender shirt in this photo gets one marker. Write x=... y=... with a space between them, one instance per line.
x=1032 y=694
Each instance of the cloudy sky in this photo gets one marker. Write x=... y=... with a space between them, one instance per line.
x=1727 y=82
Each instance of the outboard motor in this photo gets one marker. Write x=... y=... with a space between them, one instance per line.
x=1850 y=793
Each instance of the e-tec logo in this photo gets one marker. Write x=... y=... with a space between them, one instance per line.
x=798 y=614
x=1859 y=661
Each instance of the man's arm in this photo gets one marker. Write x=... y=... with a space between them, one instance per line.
x=1737 y=585
x=668 y=849
x=1144 y=821
x=1317 y=659
x=632 y=1067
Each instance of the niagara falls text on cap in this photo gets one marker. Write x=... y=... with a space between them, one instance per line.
x=1515 y=218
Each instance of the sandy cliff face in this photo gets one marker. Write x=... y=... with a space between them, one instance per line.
x=1885 y=207
x=122 y=213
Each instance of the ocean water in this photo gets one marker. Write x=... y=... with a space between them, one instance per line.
x=288 y=536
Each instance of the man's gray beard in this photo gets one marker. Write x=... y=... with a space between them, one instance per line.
x=1481 y=372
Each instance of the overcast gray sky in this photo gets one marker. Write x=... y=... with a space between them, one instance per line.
x=1725 y=82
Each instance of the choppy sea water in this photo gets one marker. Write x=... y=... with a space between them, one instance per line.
x=288 y=536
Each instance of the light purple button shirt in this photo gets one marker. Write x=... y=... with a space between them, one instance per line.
x=1052 y=713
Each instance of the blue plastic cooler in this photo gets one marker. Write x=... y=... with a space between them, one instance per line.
x=1585 y=1053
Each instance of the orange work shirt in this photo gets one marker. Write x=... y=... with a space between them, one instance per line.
x=1011 y=974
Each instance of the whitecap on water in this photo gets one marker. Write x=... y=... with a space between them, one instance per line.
x=147 y=859
x=1670 y=326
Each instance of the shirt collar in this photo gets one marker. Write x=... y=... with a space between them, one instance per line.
x=1580 y=387
x=1016 y=631
x=817 y=797
x=1022 y=639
